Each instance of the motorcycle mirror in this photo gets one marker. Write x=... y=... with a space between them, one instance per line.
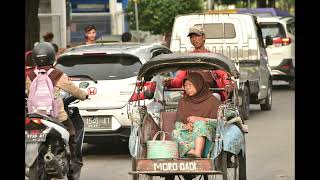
x=83 y=85
x=63 y=94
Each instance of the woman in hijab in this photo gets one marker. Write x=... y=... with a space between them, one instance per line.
x=195 y=110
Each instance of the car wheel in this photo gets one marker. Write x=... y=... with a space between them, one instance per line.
x=266 y=106
x=245 y=106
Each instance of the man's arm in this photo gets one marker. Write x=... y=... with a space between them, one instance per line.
x=176 y=82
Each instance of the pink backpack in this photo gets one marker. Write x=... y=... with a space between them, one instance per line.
x=41 y=96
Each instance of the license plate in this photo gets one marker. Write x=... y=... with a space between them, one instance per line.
x=35 y=137
x=98 y=122
x=181 y=165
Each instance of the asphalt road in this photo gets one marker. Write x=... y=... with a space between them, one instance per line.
x=269 y=143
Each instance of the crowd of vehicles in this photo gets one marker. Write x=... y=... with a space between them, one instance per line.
x=124 y=81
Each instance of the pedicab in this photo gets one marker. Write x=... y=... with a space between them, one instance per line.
x=223 y=156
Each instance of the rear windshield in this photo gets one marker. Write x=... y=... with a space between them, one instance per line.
x=110 y=67
x=218 y=31
x=272 y=29
x=263 y=14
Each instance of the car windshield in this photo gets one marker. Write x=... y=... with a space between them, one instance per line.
x=274 y=30
x=106 y=67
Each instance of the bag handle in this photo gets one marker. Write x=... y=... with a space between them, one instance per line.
x=163 y=135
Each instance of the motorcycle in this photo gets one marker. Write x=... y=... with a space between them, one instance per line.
x=47 y=152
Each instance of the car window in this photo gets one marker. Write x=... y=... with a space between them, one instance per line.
x=263 y=14
x=110 y=67
x=291 y=27
x=272 y=29
x=219 y=30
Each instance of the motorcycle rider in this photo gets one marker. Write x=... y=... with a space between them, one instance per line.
x=43 y=55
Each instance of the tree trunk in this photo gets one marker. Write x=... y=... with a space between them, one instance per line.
x=261 y=3
x=32 y=24
x=272 y=3
x=167 y=39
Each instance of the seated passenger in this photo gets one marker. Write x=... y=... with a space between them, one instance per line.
x=215 y=79
x=195 y=108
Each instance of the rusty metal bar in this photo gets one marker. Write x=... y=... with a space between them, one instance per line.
x=174 y=172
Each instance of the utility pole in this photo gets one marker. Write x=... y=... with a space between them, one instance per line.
x=113 y=8
x=249 y=4
x=209 y=4
x=137 y=20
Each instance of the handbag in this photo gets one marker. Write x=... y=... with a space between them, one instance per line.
x=162 y=149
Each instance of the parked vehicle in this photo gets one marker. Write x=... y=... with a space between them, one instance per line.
x=47 y=152
x=111 y=71
x=265 y=12
x=282 y=53
x=229 y=139
x=239 y=37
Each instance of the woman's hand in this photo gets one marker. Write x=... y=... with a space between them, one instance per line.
x=193 y=119
x=188 y=126
x=167 y=82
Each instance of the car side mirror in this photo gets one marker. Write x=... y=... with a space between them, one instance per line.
x=269 y=40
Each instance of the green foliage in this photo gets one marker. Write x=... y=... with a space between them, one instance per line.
x=230 y=1
x=158 y=16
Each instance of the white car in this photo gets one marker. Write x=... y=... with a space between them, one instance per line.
x=110 y=70
x=281 y=54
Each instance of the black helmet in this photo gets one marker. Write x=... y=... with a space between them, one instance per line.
x=43 y=54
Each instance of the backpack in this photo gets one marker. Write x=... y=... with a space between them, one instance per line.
x=41 y=98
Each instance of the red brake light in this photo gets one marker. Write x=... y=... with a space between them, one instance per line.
x=27 y=121
x=286 y=41
x=277 y=40
x=34 y=131
x=281 y=41
x=285 y=66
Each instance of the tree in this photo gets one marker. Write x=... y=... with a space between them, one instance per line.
x=158 y=16
x=261 y=3
x=272 y=3
x=32 y=24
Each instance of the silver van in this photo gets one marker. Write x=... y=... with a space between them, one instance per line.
x=239 y=37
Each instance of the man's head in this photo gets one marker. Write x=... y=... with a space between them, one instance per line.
x=48 y=37
x=90 y=33
x=126 y=37
x=43 y=54
x=197 y=36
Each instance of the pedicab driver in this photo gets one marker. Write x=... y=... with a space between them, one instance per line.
x=215 y=78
